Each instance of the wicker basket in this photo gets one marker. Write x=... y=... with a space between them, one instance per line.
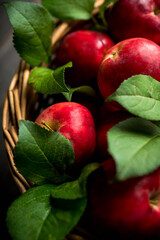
x=21 y=98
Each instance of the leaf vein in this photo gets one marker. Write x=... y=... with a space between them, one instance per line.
x=140 y=148
x=40 y=150
x=43 y=46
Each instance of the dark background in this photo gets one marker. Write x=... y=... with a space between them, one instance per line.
x=9 y=61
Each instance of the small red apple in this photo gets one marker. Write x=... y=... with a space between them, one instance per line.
x=135 y=18
x=103 y=126
x=130 y=208
x=130 y=57
x=75 y=122
x=85 y=49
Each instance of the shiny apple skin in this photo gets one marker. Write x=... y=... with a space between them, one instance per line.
x=124 y=208
x=85 y=49
x=127 y=58
x=135 y=18
x=75 y=122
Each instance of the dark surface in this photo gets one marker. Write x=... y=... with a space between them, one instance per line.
x=9 y=61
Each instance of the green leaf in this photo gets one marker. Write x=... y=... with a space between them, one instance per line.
x=157 y=123
x=70 y=9
x=34 y=215
x=140 y=95
x=42 y=156
x=72 y=195
x=75 y=189
x=28 y=216
x=134 y=145
x=33 y=26
x=60 y=71
x=47 y=81
x=87 y=90
x=67 y=214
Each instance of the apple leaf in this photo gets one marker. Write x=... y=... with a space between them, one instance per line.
x=134 y=145
x=42 y=156
x=47 y=81
x=33 y=26
x=70 y=9
x=75 y=189
x=140 y=95
x=35 y=215
x=49 y=211
x=157 y=123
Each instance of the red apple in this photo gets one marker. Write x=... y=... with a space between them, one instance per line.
x=75 y=122
x=130 y=57
x=90 y=105
x=85 y=49
x=135 y=18
x=103 y=126
x=130 y=208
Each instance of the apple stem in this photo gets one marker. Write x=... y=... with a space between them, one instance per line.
x=156 y=11
x=154 y=198
x=153 y=202
x=47 y=126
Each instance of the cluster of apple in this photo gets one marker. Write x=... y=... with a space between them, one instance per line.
x=129 y=207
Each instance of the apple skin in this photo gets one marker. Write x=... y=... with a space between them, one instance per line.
x=135 y=18
x=124 y=208
x=75 y=122
x=91 y=105
x=103 y=126
x=85 y=49
x=127 y=58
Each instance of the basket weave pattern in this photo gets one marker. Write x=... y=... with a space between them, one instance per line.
x=22 y=100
